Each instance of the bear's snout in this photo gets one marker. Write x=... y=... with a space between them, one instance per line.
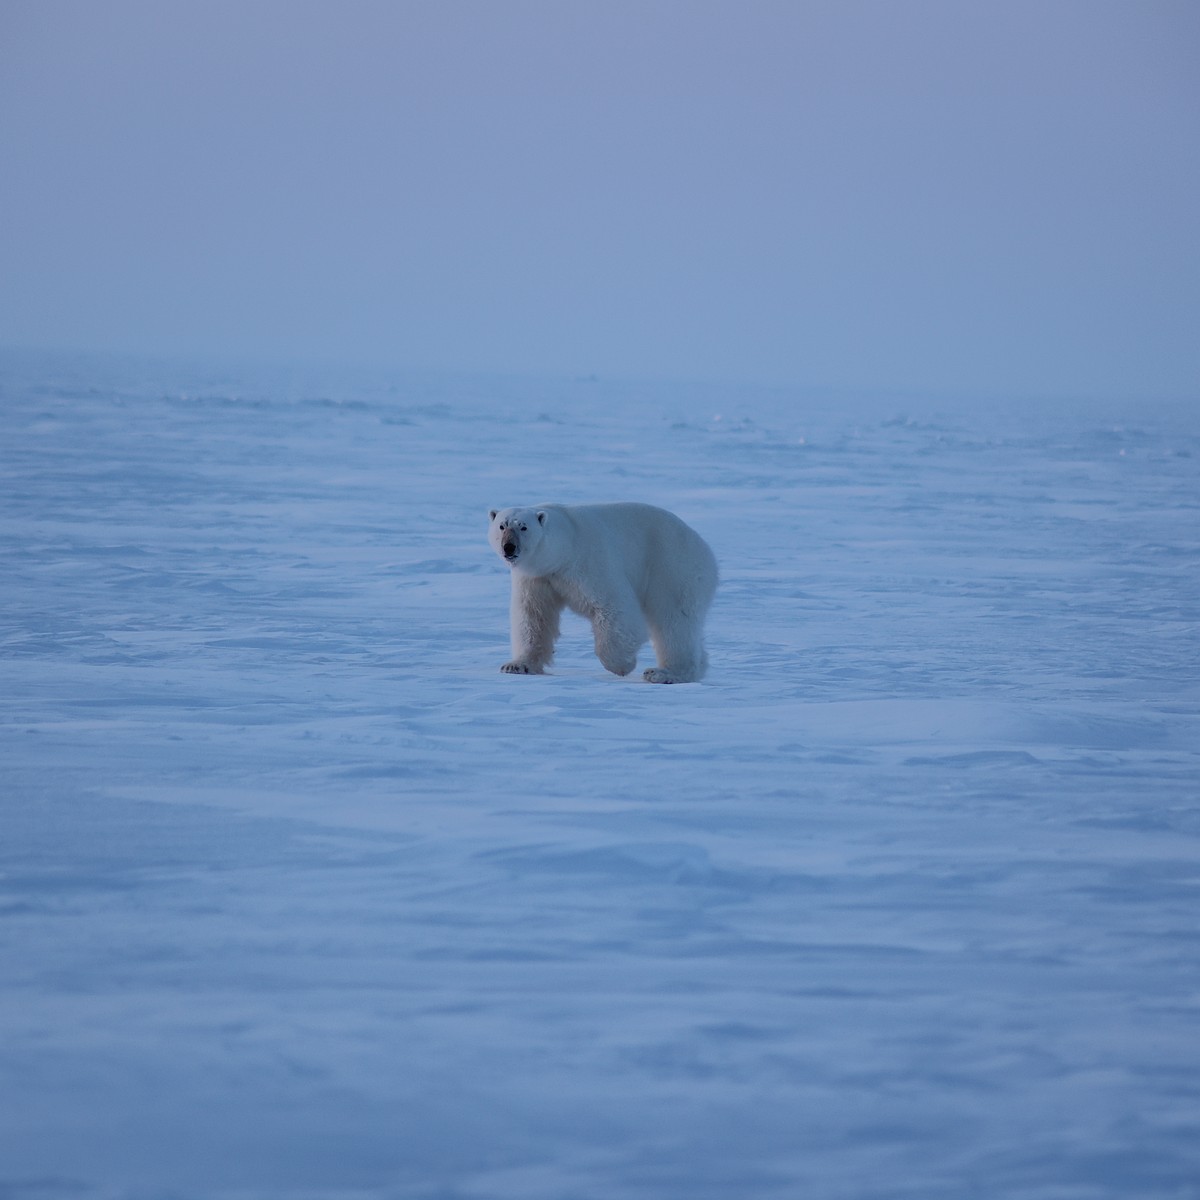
x=510 y=548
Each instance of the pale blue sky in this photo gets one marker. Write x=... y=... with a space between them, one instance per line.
x=992 y=198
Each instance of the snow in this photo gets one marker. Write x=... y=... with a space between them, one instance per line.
x=300 y=897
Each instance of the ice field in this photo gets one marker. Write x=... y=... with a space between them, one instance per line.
x=301 y=898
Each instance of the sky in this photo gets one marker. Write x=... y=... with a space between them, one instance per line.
x=985 y=198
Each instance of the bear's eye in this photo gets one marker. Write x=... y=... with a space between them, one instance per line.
x=523 y=528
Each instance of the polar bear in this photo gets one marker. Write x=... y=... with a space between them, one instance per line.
x=632 y=569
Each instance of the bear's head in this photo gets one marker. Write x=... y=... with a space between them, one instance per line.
x=517 y=534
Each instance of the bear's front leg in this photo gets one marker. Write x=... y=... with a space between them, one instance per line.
x=535 y=612
x=620 y=632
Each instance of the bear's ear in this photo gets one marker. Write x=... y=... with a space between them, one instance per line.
x=492 y=513
x=541 y=518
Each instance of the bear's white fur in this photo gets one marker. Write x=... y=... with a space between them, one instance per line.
x=632 y=569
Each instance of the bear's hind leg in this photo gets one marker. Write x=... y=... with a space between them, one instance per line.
x=680 y=653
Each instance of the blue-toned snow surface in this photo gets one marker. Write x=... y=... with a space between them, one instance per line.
x=301 y=898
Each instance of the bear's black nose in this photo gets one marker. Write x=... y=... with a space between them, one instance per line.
x=510 y=549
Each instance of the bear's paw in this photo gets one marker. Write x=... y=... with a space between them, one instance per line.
x=658 y=675
x=520 y=668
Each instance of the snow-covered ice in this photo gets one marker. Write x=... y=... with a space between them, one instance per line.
x=300 y=897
